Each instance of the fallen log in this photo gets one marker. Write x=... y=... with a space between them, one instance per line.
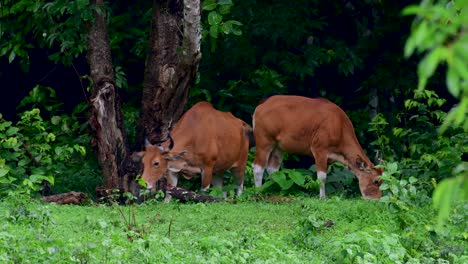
x=187 y=196
x=65 y=198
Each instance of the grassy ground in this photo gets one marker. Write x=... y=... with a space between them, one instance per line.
x=302 y=231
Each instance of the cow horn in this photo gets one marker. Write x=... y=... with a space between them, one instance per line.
x=171 y=144
x=147 y=143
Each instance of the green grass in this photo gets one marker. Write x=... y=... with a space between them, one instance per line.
x=243 y=232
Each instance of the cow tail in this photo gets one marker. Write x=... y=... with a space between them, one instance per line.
x=249 y=133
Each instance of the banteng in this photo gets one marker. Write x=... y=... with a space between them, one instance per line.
x=205 y=141
x=313 y=127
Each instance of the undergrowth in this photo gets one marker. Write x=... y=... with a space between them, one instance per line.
x=301 y=230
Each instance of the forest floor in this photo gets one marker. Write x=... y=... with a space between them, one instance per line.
x=297 y=230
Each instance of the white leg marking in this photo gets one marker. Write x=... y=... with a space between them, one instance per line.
x=218 y=181
x=322 y=176
x=168 y=198
x=205 y=189
x=172 y=178
x=258 y=175
x=271 y=170
x=240 y=188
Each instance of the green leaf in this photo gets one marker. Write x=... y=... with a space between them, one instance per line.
x=429 y=63
x=280 y=178
x=460 y=67
x=55 y=120
x=11 y=57
x=209 y=5
x=4 y=125
x=3 y=172
x=416 y=38
x=225 y=9
x=11 y=143
x=446 y=192
x=297 y=177
x=411 y=10
x=226 y=28
x=214 y=18
x=392 y=167
x=214 y=31
x=453 y=82
x=11 y=131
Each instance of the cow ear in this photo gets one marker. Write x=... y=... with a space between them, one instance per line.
x=137 y=156
x=361 y=164
x=147 y=143
x=162 y=149
x=175 y=156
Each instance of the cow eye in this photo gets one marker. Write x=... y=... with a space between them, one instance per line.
x=377 y=182
x=156 y=164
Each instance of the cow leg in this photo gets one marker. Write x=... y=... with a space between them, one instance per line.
x=207 y=176
x=274 y=161
x=263 y=150
x=218 y=179
x=172 y=179
x=321 y=163
x=238 y=173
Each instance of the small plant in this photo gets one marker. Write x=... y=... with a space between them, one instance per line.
x=42 y=148
x=369 y=247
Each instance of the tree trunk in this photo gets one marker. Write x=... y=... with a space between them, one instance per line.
x=171 y=66
x=106 y=117
x=65 y=198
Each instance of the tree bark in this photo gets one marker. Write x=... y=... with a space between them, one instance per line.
x=106 y=117
x=171 y=66
x=185 y=196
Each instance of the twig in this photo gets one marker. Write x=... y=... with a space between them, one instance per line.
x=168 y=234
x=81 y=83
x=47 y=75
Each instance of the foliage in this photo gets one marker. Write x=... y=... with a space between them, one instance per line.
x=439 y=30
x=58 y=25
x=217 y=10
x=304 y=182
x=263 y=232
x=288 y=181
x=369 y=247
x=424 y=156
x=37 y=149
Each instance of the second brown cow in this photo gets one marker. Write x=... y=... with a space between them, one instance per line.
x=205 y=141
x=313 y=127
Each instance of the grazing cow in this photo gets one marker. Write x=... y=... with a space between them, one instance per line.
x=205 y=141
x=313 y=127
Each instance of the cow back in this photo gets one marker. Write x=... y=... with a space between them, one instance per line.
x=211 y=135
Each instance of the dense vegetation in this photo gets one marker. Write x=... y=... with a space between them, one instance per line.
x=355 y=53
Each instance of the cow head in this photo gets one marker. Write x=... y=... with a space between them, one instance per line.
x=369 y=180
x=158 y=160
x=369 y=184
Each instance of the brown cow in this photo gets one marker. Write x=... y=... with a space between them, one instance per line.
x=313 y=127
x=205 y=141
